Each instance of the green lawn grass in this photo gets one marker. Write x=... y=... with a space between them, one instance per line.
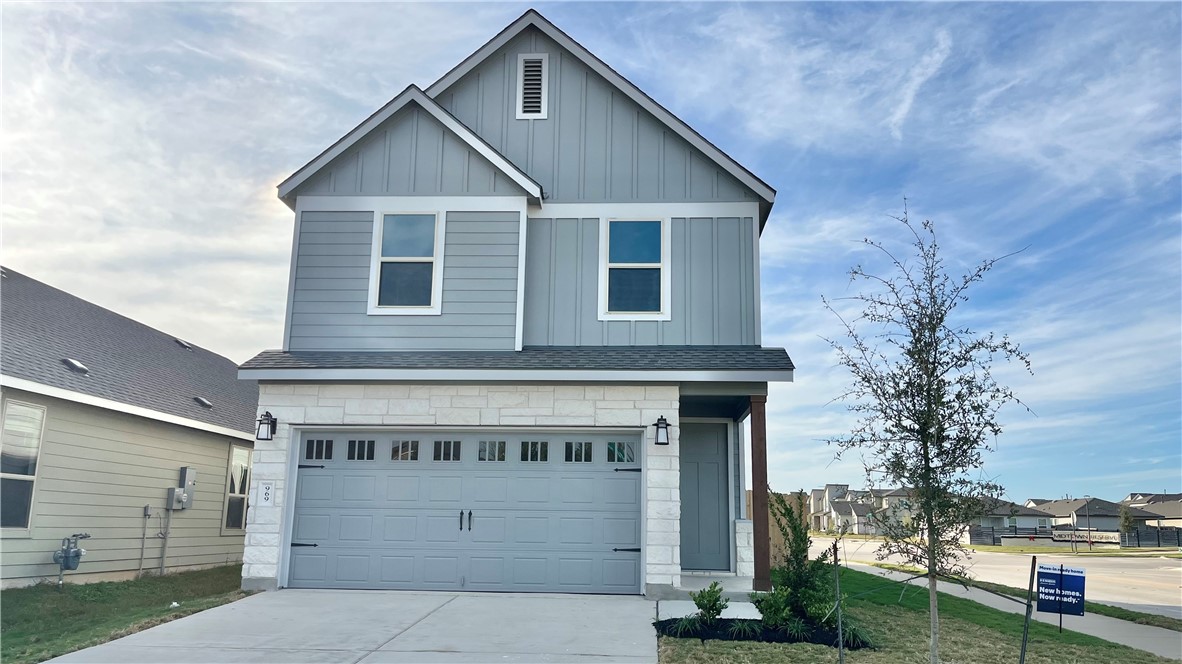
x=1117 y=612
x=969 y=632
x=40 y=622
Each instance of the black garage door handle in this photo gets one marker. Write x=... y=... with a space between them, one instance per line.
x=632 y=550
x=469 y=520
x=461 y=519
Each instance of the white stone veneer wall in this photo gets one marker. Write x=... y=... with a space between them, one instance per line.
x=447 y=405
x=744 y=548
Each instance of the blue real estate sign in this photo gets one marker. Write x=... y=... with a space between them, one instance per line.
x=1060 y=589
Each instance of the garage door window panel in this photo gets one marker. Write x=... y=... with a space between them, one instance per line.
x=578 y=452
x=318 y=450
x=405 y=450
x=491 y=450
x=535 y=451
x=360 y=450
x=447 y=450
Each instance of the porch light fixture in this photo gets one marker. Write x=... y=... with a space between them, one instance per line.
x=662 y=426
x=266 y=426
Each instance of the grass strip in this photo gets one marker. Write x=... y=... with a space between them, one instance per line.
x=40 y=622
x=1153 y=620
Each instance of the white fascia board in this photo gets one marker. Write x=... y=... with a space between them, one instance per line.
x=648 y=210
x=515 y=375
x=380 y=203
x=428 y=104
x=118 y=406
x=634 y=93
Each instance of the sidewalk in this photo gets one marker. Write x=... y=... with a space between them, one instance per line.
x=1162 y=642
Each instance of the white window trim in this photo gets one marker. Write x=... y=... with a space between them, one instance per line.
x=376 y=260
x=665 y=313
x=245 y=493
x=25 y=532
x=521 y=58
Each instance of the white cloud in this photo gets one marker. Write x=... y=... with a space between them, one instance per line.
x=927 y=67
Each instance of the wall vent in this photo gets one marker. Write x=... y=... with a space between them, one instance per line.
x=532 y=86
x=205 y=403
x=75 y=366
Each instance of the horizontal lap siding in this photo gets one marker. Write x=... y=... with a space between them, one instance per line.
x=712 y=286
x=596 y=144
x=96 y=471
x=479 y=312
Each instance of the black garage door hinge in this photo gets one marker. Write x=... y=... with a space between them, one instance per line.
x=632 y=550
x=627 y=470
x=303 y=544
x=308 y=465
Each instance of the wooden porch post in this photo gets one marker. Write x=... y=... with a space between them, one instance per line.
x=759 y=498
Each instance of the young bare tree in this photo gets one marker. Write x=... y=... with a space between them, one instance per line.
x=926 y=401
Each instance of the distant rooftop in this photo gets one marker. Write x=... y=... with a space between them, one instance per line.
x=52 y=338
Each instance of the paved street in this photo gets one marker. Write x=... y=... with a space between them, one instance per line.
x=1141 y=583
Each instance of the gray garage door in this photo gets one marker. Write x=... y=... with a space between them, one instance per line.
x=468 y=511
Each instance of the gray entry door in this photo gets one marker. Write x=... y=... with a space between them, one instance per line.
x=518 y=512
x=705 y=540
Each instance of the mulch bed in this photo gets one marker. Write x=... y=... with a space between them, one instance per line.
x=720 y=630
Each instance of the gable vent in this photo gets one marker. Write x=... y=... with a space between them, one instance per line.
x=75 y=366
x=205 y=403
x=532 y=86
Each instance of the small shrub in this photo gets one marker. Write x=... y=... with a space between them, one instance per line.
x=710 y=603
x=746 y=630
x=774 y=607
x=687 y=626
x=855 y=637
x=798 y=629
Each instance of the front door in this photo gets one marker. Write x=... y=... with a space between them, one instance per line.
x=705 y=522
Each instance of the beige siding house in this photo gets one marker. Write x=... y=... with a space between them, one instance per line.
x=100 y=413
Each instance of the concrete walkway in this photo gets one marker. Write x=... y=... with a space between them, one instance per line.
x=380 y=627
x=1162 y=642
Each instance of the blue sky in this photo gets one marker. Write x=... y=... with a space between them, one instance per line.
x=142 y=144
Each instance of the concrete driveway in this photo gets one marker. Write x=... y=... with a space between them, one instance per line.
x=377 y=627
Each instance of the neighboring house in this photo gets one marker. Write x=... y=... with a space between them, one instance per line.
x=1035 y=502
x=1090 y=514
x=522 y=337
x=849 y=516
x=99 y=415
x=821 y=506
x=1167 y=508
x=1012 y=515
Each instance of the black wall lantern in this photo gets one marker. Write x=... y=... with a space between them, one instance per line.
x=662 y=426
x=266 y=426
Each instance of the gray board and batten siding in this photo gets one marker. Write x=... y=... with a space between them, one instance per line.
x=712 y=283
x=96 y=470
x=595 y=144
x=410 y=154
x=332 y=272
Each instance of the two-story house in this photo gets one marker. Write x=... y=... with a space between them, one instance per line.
x=522 y=339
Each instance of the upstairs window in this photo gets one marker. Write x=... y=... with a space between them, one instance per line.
x=532 y=86
x=408 y=261
x=634 y=269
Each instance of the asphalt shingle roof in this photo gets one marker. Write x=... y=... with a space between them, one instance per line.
x=603 y=358
x=128 y=361
x=1095 y=507
x=851 y=508
x=1006 y=508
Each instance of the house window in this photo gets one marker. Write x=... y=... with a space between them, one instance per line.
x=237 y=485
x=20 y=446
x=532 y=86
x=634 y=269
x=408 y=261
x=1011 y=522
x=1042 y=524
